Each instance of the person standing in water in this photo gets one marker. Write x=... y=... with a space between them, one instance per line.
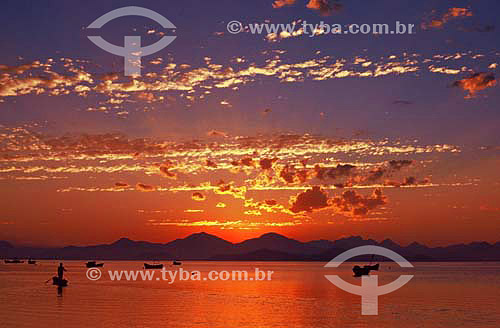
x=60 y=271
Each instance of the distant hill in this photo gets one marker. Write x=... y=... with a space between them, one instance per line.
x=198 y=246
x=268 y=247
x=5 y=244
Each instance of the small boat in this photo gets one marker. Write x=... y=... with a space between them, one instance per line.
x=175 y=262
x=30 y=261
x=94 y=264
x=365 y=270
x=13 y=261
x=59 y=282
x=153 y=266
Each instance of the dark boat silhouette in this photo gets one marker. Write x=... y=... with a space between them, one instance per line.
x=175 y=262
x=365 y=270
x=59 y=282
x=153 y=266
x=94 y=264
x=30 y=261
x=13 y=261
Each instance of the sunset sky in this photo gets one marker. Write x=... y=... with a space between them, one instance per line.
x=382 y=136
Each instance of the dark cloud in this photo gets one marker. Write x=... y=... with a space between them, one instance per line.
x=144 y=187
x=341 y=170
x=230 y=189
x=402 y=102
x=309 y=200
x=481 y=29
x=247 y=161
x=301 y=175
x=320 y=171
x=267 y=111
x=425 y=181
x=267 y=163
x=353 y=203
x=410 y=181
x=165 y=170
x=349 y=202
x=198 y=196
x=287 y=174
x=211 y=164
x=121 y=185
x=391 y=167
x=407 y=181
x=376 y=174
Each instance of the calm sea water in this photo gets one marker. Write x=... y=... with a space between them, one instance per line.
x=439 y=295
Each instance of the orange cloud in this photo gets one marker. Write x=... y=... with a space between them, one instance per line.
x=215 y=133
x=282 y=3
x=450 y=14
x=476 y=82
x=323 y=6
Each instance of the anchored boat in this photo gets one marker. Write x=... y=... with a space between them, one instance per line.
x=153 y=266
x=94 y=264
x=13 y=261
x=365 y=270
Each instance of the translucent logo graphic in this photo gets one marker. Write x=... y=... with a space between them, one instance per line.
x=369 y=289
x=132 y=51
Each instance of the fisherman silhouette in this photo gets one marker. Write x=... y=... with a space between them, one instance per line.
x=60 y=271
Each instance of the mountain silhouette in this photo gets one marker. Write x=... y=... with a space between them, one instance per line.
x=198 y=246
x=276 y=242
x=4 y=244
x=269 y=246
